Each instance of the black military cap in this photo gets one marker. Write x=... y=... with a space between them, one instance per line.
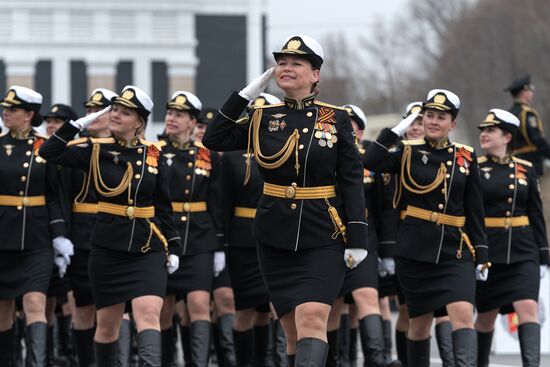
x=62 y=111
x=357 y=115
x=100 y=97
x=502 y=119
x=25 y=98
x=185 y=101
x=413 y=107
x=303 y=46
x=443 y=100
x=135 y=98
x=522 y=83
x=207 y=115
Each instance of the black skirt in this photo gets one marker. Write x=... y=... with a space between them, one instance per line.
x=365 y=275
x=223 y=280
x=80 y=280
x=429 y=287
x=26 y=271
x=118 y=277
x=296 y=277
x=248 y=285
x=194 y=274
x=507 y=284
x=59 y=287
x=386 y=286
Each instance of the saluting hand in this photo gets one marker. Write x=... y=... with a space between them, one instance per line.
x=354 y=256
x=85 y=121
x=402 y=126
x=173 y=263
x=257 y=86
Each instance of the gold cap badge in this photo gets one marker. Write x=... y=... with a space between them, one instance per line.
x=490 y=118
x=128 y=94
x=209 y=115
x=180 y=99
x=55 y=108
x=416 y=109
x=440 y=98
x=11 y=95
x=293 y=44
x=97 y=97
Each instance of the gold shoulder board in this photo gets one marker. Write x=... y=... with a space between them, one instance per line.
x=413 y=142
x=467 y=147
x=77 y=141
x=267 y=106
x=329 y=105
x=102 y=140
x=481 y=159
x=522 y=161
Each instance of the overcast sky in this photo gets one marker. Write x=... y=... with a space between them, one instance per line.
x=316 y=18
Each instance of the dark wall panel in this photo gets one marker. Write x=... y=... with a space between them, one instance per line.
x=124 y=75
x=160 y=89
x=43 y=83
x=3 y=79
x=79 y=86
x=221 y=51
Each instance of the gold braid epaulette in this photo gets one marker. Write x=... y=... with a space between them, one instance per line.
x=100 y=185
x=278 y=158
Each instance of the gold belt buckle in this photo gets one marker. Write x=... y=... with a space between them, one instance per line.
x=507 y=223
x=434 y=216
x=186 y=207
x=290 y=191
x=130 y=212
x=26 y=201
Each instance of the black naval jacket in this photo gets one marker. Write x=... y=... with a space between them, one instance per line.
x=24 y=173
x=300 y=224
x=423 y=240
x=195 y=176
x=149 y=187
x=531 y=144
x=238 y=230
x=510 y=189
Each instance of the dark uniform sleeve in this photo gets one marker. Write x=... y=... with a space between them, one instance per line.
x=58 y=226
x=163 y=209
x=378 y=157
x=350 y=179
x=228 y=198
x=225 y=133
x=475 y=214
x=389 y=217
x=536 y=217
x=214 y=200
x=532 y=124
x=55 y=149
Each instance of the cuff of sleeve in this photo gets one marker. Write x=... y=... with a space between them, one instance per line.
x=174 y=246
x=233 y=107
x=385 y=249
x=387 y=138
x=544 y=256
x=57 y=229
x=357 y=233
x=482 y=254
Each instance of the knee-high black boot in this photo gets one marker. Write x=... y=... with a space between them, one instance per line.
x=37 y=334
x=225 y=336
x=186 y=344
x=167 y=341
x=66 y=342
x=261 y=346
x=465 y=347
x=311 y=352
x=401 y=346
x=149 y=348
x=418 y=353
x=290 y=359
x=200 y=343
x=353 y=333
x=244 y=347
x=106 y=354
x=444 y=338
x=124 y=344
x=19 y=328
x=529 y=343
x=279 y=344
x=333 y=358
x=343 y=340
x=84 y=343
x=386 y=328
x=484 y=343
x=7 y=348
x=372 y=341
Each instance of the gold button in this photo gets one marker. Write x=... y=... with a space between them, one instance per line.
x=309 y=114
x=188 y=177
x=512 y=175
x=28 y=153
x=183 y=218
x=440 y=206
x=21 y=193
x=137 y=176
x=449 y=163
x=511 y=187
x=510 y=200
x=508 y=213
x=450 y=150
x=139 y=163
x=186 y=207
x=305 y=130
x=130 y=201
x=448 y=175
x=192 y=151
x=189 y=164
x=26 y=165
x=26 y=201
x=292 y=206
x=301 y=146
x=140 y=150
x=186 y=191
x=29 y=141
x=443 y=191
x=511 y=165
x=434 y=216
x=23 y=178
x=19 y=207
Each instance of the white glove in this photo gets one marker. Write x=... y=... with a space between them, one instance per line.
x=482 y=272
x=543 y=269
x=173 y=263
x=386 y=266
x=63 y=247
x=219 y=262
x=61 y=265
x=400 y=128
x=354 y=256
x=257 y=86
x=85 y=121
